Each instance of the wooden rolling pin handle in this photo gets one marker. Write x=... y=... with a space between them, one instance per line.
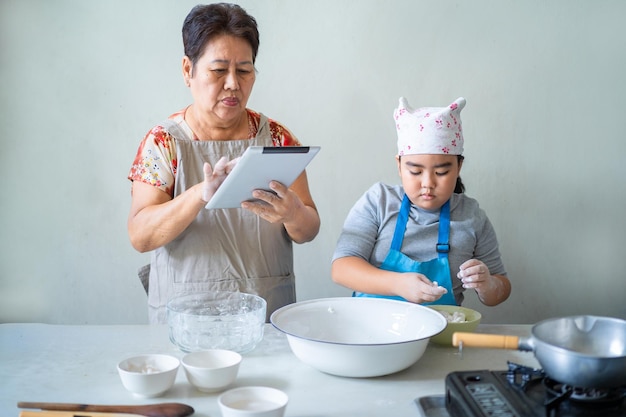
x=30 y=413
x=48 y=413
x=489 y=341
x=148 y=410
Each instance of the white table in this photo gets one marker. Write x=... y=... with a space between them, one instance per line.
x=77 y=364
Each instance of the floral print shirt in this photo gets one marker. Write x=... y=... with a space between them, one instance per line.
x=156 y=160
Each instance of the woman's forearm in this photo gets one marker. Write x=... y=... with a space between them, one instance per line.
x=157 y=224
x=305 y=226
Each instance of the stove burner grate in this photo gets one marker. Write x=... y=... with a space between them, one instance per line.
x=521 y=376
x=591 y=396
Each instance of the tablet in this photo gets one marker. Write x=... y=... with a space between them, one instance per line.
x=257 y=167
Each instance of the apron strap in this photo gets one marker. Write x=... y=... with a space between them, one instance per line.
x=403 y=217
x=443 y=245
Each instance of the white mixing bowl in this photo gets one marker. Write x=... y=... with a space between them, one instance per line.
x=358 y=337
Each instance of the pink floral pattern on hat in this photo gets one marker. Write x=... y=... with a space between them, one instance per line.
x=429 y=130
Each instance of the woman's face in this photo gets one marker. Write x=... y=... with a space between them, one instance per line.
x=429 y=180
x=222 y=79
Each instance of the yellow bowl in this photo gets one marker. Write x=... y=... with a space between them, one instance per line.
x=472 y=319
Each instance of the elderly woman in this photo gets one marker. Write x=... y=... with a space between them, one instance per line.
x=183 y=160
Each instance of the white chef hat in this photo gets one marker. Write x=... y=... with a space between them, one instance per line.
x=429 y=130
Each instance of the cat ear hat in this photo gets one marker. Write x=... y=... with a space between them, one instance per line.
x=429 y=130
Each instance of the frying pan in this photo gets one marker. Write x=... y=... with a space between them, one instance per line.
x=583 y=351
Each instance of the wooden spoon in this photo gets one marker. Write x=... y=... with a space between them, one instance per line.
x=48 y=413
x=150 y=410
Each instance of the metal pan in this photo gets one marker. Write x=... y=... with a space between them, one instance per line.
x=583 y=351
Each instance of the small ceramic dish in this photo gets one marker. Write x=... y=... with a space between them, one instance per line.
x=148 y=375
x=211 y=370
x=253 y=402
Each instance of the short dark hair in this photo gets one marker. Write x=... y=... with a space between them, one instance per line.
x=204 y=22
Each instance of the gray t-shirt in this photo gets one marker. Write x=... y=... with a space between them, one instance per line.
x=369 y=227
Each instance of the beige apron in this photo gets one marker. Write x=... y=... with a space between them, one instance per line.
x=223 y=249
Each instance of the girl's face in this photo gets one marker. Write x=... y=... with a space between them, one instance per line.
x=429 y=180
x=222 y=79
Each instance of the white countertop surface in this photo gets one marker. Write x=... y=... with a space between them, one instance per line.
x=77 y=364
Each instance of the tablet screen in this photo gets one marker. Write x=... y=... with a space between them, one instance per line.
x=257 y=167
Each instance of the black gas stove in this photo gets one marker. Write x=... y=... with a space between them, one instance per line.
x=520 y=391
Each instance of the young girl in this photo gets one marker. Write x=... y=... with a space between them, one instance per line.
x=423 y=241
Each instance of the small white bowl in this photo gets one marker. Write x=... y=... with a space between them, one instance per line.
x=211 y=370
x=253 y=402
x=150 y=375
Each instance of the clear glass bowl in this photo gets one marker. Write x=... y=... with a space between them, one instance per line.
x=216 y=320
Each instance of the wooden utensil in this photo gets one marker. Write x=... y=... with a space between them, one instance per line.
x=149 y=410
x=45 y=413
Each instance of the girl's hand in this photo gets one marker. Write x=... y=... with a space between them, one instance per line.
x=419 y=289
x=491 y=289
x=474 y=274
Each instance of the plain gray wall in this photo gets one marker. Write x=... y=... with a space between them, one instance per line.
x=81 y=82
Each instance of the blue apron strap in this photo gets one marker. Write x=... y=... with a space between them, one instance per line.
x=403 y=217
x=443 y=245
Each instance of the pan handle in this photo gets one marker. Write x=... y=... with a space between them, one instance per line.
x=493 y=341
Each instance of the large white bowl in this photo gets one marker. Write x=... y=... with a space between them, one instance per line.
x=358 y=337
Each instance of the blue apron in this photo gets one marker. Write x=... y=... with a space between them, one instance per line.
x=437 y=269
